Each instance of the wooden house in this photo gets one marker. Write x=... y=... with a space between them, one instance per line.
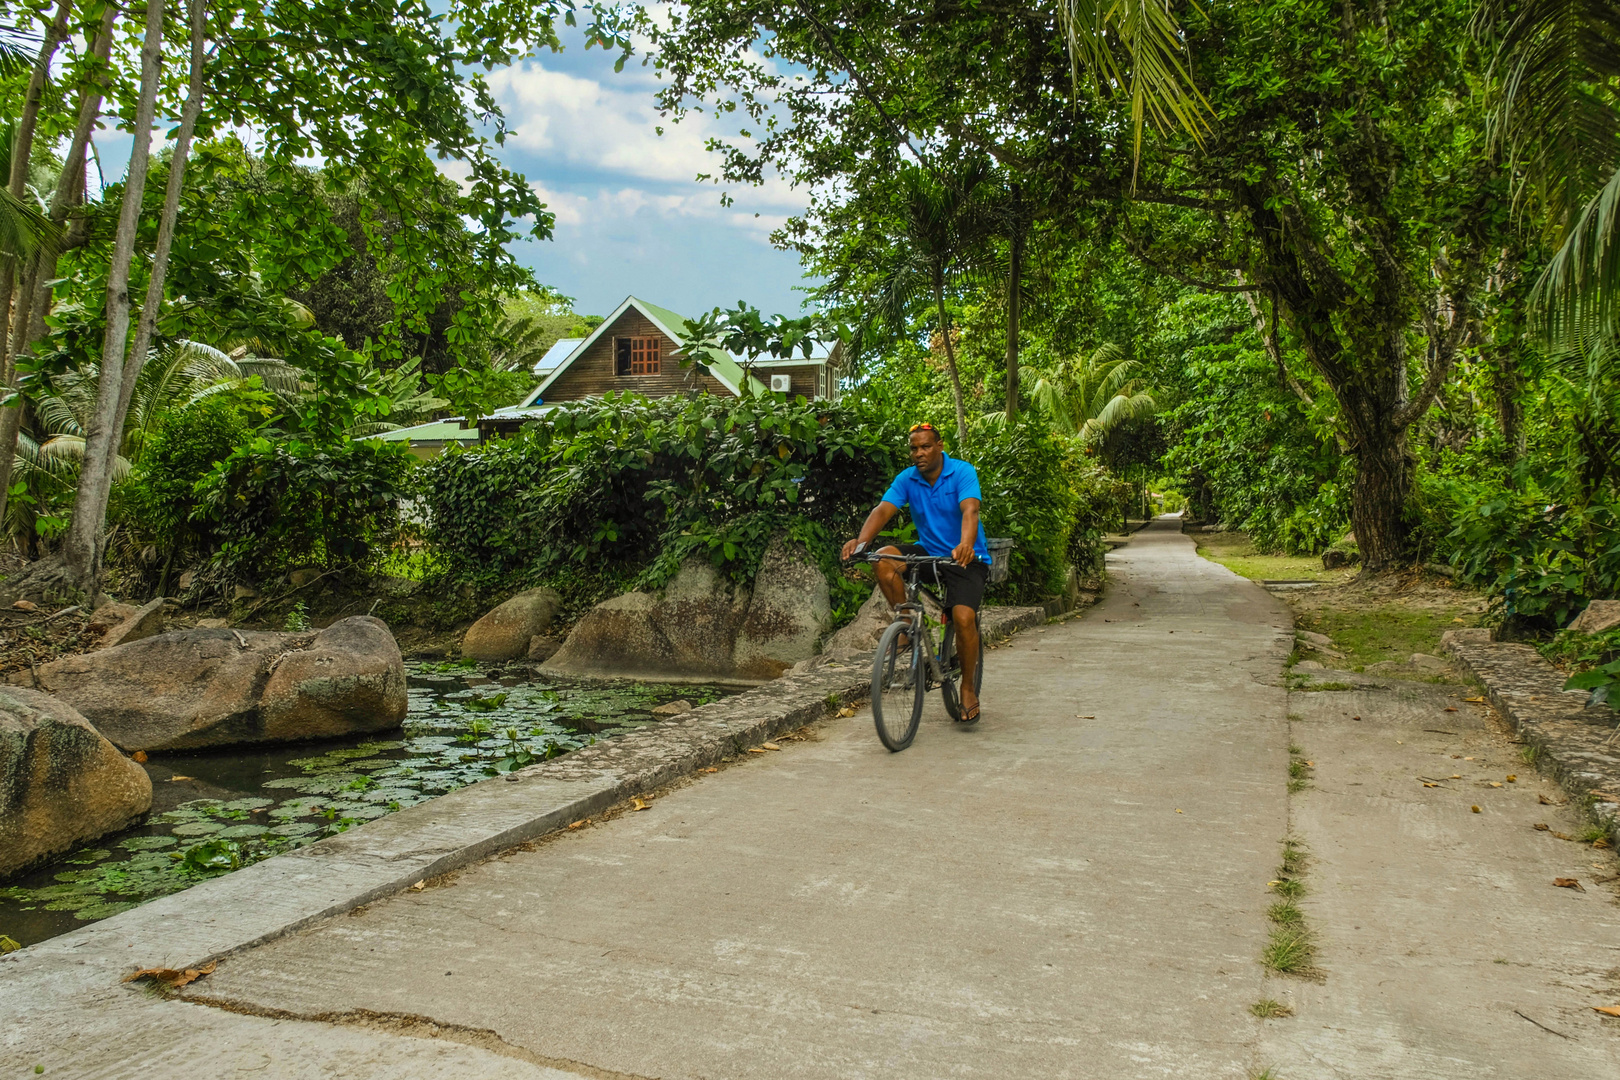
x=636 y=349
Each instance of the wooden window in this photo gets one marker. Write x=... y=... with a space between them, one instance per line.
x=637 y=356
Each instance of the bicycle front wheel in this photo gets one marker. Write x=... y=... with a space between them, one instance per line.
x=897 y=687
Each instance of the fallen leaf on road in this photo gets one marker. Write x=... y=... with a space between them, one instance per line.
x=1494 y=783
x=1178 y=811
x=755 y=750
x=25 y=605
x=177 y=779
x=1475 y=809
x=770 y=746
x=1450 y=709
x=1310 y=764
x=1607 y=1010
x=1513 y=779
x=419 y=886
x=582 y=822
x=1601 y=844
x=1568 y=883
x=1542 y=826
x=1475 y=700
x=173 y=977
x=1077 y=716
x=1456 y=776
x=639 y=804
x=848 y=710
x=1545 y=801
x=1430 y=783
x=708 y=770
x=140 y=755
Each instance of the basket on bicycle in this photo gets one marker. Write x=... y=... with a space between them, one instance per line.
x=1000 y=548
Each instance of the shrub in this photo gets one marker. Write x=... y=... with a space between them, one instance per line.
x=279 y=504
x=185 y=446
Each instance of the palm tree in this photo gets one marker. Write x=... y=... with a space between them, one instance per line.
x=1557 y=75
x=940 y=225
x=1092 y=396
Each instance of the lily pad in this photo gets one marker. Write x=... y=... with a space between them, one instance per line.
x=148 y=843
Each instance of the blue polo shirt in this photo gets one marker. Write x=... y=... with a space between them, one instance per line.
x=937 y=508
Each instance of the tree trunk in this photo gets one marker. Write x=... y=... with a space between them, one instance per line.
x=950 y=361
x=33 y=297
x=1015 y=275
x=22 y=149
x=147 y=324
x=82 y=547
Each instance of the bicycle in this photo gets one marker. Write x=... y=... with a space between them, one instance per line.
x=902 y=674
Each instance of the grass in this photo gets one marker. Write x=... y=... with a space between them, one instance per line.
x=1285 y=913
x=1290 y=950
x=1370 y=634
x=1234 y=551
x=1591 y=834
x=1299 y=778
x=1267 y=1073
x=1530 y=754
x=1267 y=1009
x=1321 y=687
x=1293 y=857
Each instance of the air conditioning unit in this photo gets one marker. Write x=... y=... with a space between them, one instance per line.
x=781 y=384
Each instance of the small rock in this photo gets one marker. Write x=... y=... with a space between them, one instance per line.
x=1337 y=558
x=508 y=631
x=1427 y=662
x=1472 y=635
x=673 y=708
x=186 y=579
x=303 y=576
x=1599 y=616
x=146 y=621
x=25 y=605
x=1309 y=665
x=111 y=614
x=1385 y=667
x=1314 y=638
x=244 y=592
x=542 y=647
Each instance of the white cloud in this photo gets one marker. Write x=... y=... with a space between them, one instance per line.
x=563 y=118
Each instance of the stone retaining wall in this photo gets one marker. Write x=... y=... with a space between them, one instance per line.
x=1577 y=744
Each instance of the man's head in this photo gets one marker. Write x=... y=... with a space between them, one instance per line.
x=927 y=451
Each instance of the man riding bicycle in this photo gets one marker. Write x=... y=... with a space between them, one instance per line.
x=943 y=494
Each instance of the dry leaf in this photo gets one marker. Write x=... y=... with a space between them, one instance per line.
x=709 y=770
x=755 y=750
x=1475 y=809
x=1310 y=764
x=1456 y=776
x=1077 y=716
x=1568 y=883
x=848 y=710
x=1544 y=801
x=1607 y=1010
x=1178 y=811
x=1542 y=826
x=1562 y=836
x=770 y=746
x=580 y=824
x=1513 y=779
x=177 y=779
x=1494 y=783
x=419 y=886
x=637 y=803
x=172 y=977
x=140 y=755
x=1475 y=700
x=1601 y=844
x=1450 y=709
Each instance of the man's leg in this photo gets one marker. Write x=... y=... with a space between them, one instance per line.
x=891 y=575
x=966 y=621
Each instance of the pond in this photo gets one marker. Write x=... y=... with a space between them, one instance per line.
x=213 y=812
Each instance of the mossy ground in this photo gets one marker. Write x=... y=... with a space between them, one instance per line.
x=1385 y=618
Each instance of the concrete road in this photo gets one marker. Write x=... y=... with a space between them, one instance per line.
x=1075 y=887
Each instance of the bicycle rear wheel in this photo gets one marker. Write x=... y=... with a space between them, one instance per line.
x=897 y=687
x=951 y=664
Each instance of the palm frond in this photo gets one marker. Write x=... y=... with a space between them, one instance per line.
x=1152 y=72
x=1575 y=296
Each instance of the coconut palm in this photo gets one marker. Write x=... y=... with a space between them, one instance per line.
x=1557 y=75
x=1091 y=396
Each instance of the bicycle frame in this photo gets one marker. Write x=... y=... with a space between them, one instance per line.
x=912 y=611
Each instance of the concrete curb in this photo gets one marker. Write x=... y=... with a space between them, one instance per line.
x=286 y=893
x=1575 y=743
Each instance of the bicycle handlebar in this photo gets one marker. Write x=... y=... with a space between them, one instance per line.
x=909 y=560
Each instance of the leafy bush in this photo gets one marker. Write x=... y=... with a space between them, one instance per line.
x=185 y=446
x=639 y=484
x=1100 y=498
x=1542 y=561
x=280 y=504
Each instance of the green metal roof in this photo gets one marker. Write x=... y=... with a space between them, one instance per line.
x=434 y=430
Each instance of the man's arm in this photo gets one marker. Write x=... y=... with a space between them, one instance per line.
x=963 y=553
x=876 y=521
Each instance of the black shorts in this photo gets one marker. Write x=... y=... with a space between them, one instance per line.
x=963 y=584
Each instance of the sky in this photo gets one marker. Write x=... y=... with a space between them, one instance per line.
x=631 y=217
